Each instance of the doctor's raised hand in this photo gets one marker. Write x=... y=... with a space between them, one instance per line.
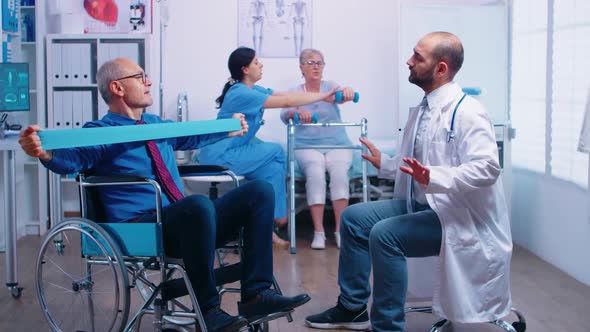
x=375 y=156
x=416 y=170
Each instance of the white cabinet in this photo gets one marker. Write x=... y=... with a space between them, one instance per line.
x=72 y=92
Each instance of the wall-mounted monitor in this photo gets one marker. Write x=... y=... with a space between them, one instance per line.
x=14 y=87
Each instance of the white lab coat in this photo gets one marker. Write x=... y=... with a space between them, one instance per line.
x=465 y=191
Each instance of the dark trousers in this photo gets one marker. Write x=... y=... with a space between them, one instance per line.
x=194 y=226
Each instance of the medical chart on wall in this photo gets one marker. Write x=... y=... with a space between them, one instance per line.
x=275 y=28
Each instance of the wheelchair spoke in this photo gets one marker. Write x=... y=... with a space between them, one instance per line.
x=72 y=277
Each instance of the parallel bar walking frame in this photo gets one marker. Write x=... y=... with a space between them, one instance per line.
x=291 y=155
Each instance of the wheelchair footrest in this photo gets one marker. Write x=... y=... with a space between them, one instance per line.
x=270 y=317
x=228 y=274
x=175 y=288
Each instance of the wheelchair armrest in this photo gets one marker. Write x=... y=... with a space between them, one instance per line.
x=196 y=170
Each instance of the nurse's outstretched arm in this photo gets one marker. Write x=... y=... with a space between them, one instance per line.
x=295 y=98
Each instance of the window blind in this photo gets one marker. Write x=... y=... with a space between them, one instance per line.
x=528 y=84
x=570 y=84
x=550 y=79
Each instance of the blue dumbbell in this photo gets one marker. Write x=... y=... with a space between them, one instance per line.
x=338 y=96
x=297 y=120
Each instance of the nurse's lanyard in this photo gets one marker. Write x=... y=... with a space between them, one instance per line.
x=451 y=134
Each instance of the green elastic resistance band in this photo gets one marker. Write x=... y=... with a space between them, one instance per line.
x=70 y=138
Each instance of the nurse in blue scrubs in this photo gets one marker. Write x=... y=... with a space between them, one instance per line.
x=247 y=155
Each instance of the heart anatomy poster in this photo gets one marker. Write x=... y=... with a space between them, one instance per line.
x=117 y=15
x=99 y=16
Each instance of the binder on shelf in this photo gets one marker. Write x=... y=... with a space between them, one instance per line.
x=57 y=113
x=6 y=48
x=55 y=69
x=85 y=63
x=9 y=16
x=129 y=50
x=104 y=54
x=66 y=63
x=75 y=63
x=67 y=108
x=77 y=109
x=87 y=106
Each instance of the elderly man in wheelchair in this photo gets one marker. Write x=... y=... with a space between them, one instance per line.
x=192 y=227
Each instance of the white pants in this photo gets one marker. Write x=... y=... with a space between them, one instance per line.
x=314 y=165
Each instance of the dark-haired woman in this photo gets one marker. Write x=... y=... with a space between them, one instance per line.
x=247 y=155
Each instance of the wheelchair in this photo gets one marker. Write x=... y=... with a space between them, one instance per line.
x=86 y=270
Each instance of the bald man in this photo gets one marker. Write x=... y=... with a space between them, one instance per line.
x=448 y=202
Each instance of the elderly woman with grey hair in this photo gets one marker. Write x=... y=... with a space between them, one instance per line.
x=316 y=162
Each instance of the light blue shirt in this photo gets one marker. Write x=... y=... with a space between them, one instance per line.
x=326 y=112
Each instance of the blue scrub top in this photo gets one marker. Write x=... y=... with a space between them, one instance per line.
x=240 y=98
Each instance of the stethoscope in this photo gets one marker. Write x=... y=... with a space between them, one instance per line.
x=451 y=134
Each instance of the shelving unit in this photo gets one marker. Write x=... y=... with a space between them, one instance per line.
x=31 y=177
x=31 y=51
x=72 y=93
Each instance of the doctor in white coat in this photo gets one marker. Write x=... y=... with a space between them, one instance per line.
x=448 y=202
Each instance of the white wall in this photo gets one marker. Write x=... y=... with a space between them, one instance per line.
x=551 y=218
x=360 y=49
x=358 y=38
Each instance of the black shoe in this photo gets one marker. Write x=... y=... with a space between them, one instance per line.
x=340 y=318
x=269 y=302
x=218 y=320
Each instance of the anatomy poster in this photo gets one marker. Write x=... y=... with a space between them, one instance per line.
x=275 y=28
x=117 y=16
x=100 y=16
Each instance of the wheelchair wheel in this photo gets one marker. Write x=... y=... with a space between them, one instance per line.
x=78 y=292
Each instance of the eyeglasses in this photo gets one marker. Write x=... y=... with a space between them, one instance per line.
x=315 y=63
x=142 y=75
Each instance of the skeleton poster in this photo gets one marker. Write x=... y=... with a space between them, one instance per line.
x=275 y=28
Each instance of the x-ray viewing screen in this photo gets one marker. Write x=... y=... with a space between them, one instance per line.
x=14 y=87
